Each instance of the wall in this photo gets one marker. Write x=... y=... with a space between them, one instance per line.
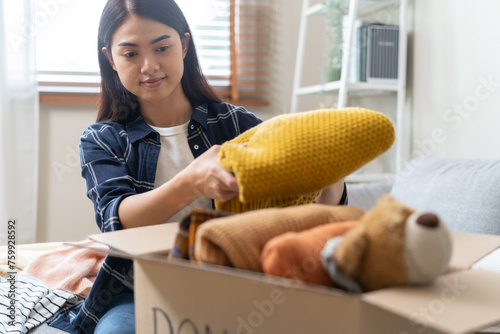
x=284 y=36
x=64 y=211
x=456 y=78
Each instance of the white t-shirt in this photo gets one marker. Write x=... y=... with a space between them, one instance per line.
x=175 y=155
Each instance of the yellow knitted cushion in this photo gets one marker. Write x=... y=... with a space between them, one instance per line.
x=289 y=158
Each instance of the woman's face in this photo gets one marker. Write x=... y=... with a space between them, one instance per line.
x=148 y=57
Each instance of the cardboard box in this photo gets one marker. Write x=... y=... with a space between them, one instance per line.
x=179 y=297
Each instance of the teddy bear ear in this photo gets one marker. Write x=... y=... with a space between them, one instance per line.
x=349 y=253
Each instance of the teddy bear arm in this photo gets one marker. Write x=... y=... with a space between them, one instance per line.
x=348 y=255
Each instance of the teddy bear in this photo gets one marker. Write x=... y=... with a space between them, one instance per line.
x=390 y=245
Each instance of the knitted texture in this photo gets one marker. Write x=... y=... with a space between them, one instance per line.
x=289 y=159
x=238 y=240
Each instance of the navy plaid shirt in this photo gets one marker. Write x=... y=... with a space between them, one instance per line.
x=119 y=160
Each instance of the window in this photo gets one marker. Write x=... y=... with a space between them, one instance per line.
x=232 y=38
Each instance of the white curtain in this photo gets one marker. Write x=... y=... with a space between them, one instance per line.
x=18 y=121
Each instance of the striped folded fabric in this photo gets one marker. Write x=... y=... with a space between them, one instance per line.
x=33 y=303
x=183 y=247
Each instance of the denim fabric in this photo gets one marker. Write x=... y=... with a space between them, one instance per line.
x=119 y=318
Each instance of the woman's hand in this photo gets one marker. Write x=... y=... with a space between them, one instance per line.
x=209 y=178
x=204 y=177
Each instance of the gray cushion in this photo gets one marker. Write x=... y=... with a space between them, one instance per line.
x=365 y=194
x=464 y=192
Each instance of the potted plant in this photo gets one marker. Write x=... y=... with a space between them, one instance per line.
x=334 y=13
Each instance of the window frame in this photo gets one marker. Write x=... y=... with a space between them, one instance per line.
x=84 y=87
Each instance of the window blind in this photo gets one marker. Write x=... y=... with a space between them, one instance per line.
x=251 y=51
x=234 y=48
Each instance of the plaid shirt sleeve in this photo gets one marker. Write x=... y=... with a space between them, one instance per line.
x=103 y=155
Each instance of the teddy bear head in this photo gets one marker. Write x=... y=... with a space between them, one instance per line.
x=393 y=245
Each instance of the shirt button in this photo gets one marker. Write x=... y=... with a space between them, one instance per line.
x=196 y=147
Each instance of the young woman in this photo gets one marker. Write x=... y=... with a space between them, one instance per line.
x=153 y=153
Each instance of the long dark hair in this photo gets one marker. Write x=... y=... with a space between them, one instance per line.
x=117 y=103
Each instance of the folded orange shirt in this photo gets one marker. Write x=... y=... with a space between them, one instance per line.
x=297 y=255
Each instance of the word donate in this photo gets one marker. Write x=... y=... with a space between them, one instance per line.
x=262 y=310
x=163 y=324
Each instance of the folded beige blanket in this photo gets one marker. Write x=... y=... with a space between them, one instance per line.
x=238 y=240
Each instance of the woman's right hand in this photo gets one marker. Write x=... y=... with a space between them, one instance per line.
x=203 y=177
x=209 y=179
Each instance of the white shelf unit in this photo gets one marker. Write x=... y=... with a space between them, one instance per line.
x=356 y=8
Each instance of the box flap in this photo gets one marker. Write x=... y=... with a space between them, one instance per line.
x=456 y=303
x=468 y=248
x=101 y=249
x=154 y=239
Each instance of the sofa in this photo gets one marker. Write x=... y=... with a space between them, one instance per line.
x=464 y=192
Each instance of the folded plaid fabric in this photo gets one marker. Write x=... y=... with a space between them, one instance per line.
x=290 y=158
x=184 y=242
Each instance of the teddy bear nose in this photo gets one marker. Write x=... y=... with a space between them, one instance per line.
x=428 y=220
